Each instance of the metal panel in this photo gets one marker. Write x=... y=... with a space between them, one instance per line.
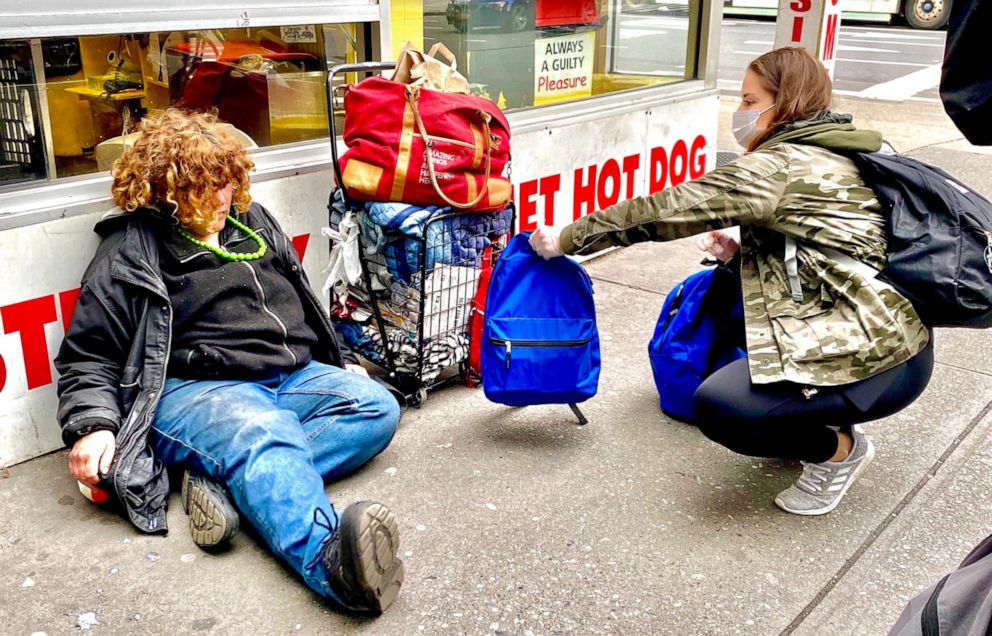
x=37 y=58
x=385 y=35
x=70 y=17
x=603 y=106
x=709 y=42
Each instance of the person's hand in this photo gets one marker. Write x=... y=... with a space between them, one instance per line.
x=357 y=369
x=546 y=244
x=91 y=455
x=718 y=245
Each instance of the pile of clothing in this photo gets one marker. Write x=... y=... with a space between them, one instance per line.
x=396 y=231
x=424 y=267
x=439 y=354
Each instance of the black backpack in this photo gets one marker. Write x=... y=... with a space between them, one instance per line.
x=940 y=240
x=958 y=604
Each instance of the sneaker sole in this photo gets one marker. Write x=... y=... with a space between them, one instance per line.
x=209 y=524
x=373 y=550
x=869 y=456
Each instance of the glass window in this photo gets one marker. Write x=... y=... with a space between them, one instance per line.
x=269 y=83
x=523 y=53
x=22 y=149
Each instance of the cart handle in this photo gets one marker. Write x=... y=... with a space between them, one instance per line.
x=361 y=67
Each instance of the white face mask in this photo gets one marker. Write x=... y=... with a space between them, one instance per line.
x=745 y=124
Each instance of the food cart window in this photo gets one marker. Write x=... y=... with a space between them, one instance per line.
x=523 y=53
x=269 y=83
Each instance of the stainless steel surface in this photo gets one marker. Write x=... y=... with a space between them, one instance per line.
x=46 y=118
x=69 y=17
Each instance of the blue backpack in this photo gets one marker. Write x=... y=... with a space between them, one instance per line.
x=540 y=343
x=697 y=334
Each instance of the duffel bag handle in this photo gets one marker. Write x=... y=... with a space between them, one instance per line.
x=429 y=143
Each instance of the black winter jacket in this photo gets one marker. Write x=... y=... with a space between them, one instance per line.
x=114 y=356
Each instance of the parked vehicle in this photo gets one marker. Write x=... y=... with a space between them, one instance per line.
x=927 y=14
x=919 y=14
x=520 y=15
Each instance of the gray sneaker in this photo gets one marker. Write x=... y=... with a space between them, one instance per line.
x=821 y=486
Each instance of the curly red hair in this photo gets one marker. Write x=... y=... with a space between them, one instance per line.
x=182 y=160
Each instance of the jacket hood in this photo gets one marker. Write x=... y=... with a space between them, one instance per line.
x=831 y=131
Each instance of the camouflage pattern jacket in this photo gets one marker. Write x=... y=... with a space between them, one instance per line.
x=848 y=326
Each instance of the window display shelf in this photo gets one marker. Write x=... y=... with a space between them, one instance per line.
x=116 y=97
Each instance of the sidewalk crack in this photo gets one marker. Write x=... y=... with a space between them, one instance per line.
x=931 y=145
x=629 y=286
x=885 y=523
x=960 y=368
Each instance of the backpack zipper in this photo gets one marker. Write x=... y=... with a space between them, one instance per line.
x=929 y=619
x=676 y=306
x=534 y=344
x=988 y=251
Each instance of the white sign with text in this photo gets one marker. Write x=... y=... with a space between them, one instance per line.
x=563 y=68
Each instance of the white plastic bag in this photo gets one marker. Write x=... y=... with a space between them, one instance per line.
x=344 y=268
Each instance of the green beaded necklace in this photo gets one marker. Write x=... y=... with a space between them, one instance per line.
x=223 y=253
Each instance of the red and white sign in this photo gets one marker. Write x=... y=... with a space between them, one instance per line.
x=563 y=174
x=811 y=24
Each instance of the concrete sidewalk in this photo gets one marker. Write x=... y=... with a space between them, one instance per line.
x=516 y=521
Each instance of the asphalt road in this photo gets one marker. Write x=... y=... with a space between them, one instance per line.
x=881 y=62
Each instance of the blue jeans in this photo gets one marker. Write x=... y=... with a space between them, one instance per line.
x=273 y=443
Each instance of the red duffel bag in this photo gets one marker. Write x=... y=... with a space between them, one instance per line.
x=421 y=146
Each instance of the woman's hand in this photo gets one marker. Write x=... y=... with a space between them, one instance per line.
x=718 y=245
x=91 y=455
x=546 y=244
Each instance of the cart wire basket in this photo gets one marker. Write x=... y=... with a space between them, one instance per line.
x=421 y=269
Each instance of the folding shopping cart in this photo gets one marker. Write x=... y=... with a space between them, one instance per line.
x=420 y=273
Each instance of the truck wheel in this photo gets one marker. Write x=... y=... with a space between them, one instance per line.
x=927 y=14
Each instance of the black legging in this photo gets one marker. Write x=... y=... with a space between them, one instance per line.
x=778 y=420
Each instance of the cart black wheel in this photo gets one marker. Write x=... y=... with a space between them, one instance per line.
x=418 y=397
x=928 y=14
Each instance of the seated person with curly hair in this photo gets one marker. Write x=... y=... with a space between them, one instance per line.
x=198 y=344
